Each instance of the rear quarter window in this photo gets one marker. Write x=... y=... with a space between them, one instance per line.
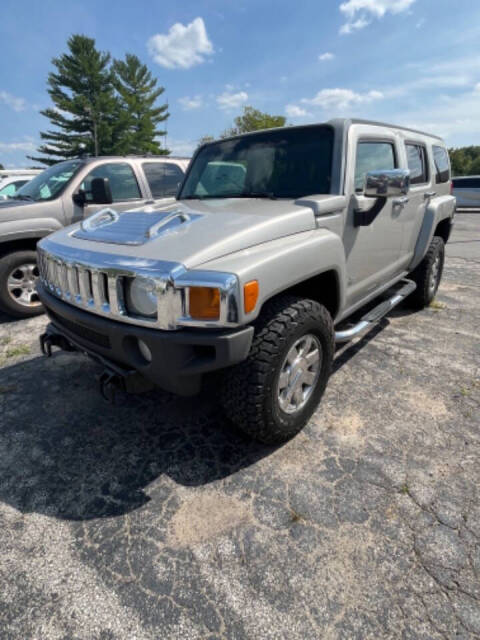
x=442 y=165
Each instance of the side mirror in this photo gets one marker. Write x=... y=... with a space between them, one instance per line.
x=391 y=183
x=3 y=197
x=101 y=192
x=80 y=198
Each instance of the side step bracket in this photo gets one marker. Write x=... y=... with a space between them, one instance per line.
x=377 y=313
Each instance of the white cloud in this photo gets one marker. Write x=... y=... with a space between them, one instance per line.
x=232 y=100
x=477 y=88
x=188 y=104
x=181 y=147
x=341 y=98
x=359 y=13
x=324 y=57
x=17 y=104
x=182 y=47
x=294 y=111
x=350 y=27
x=26 y=146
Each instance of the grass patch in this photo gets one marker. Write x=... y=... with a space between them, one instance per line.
x=5 y=340
x=436 y=305
x=18 y=350
x=404 y=489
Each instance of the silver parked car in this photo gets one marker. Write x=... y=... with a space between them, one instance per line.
x=276 y=238
x=466 y=189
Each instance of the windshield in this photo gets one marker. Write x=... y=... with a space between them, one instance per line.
x=279 y=163
x=50 y=183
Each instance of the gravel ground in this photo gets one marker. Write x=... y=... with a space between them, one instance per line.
x=155 y=519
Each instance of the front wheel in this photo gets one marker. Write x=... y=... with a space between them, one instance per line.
x=18 y=277
x=272 y=395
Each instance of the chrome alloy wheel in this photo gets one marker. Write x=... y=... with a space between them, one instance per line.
x=299 y=373
x=21 y=283
x=435 y=273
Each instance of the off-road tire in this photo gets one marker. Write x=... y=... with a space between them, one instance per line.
x=7 y=265
x=422 y=275
x=249 y=389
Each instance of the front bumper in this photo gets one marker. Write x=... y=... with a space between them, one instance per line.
x=178 y=358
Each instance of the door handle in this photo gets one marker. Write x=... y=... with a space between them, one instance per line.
x=400 y=202
x=429 y=194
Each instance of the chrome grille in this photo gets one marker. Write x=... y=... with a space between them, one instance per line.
x=101 y=290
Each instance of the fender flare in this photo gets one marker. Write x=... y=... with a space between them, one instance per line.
x=440 y=209
x=28 y=229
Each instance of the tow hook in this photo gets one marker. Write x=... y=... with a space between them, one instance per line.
x=111 y=382
x=49 y=340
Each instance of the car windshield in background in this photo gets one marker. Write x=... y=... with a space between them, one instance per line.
x=50 y=183
x=280 y=163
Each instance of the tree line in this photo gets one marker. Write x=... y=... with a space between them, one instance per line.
x=465 y=161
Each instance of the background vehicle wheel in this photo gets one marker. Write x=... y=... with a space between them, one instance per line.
x=272 y=395
x=18 y=275
x=428 y=274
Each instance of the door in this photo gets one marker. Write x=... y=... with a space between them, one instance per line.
x=467 y=192
x=126 y=193
x=372 y=252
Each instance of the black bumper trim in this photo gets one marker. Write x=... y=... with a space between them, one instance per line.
x=179 y=358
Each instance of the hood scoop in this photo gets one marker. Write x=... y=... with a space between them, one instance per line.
x=133 y=227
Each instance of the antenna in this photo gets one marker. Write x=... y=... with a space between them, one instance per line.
x=166 y=130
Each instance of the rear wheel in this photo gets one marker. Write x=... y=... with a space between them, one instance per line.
x=428 y=274
x=272 y=395
x=18 y=277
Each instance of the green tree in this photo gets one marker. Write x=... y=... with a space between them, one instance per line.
x=205 y=139
x=139 y=117
x=1 y=166
x=465 y=161
x=252 y=120
x=85 y=110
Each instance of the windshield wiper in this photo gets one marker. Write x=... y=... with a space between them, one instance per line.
x=22 y=197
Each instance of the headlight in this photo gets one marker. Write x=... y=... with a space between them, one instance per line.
x=141 y=297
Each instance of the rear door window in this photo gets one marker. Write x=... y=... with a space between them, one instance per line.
x=417 y=163
x=123 y=182
x=442 y=165
x=163 y=178
x=373 y=156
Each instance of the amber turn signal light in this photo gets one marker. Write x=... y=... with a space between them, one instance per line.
x=250 y=295
x=204 y=303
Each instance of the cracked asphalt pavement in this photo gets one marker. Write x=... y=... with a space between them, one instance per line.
x=157 y=520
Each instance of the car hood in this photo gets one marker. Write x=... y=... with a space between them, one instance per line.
x=190 y=232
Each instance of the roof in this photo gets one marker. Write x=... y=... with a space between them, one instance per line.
x=336 y=123
x=131 y=156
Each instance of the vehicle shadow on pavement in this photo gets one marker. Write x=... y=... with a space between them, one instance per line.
x=66 y=453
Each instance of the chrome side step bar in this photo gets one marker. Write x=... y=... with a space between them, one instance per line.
x=377 y=313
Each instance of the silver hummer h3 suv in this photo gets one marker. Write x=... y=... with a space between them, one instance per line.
x=276 y=239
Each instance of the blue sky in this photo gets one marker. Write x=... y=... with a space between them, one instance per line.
x=410 y=62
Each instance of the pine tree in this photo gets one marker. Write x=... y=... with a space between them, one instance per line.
x=139 y=117
x=85 y=110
